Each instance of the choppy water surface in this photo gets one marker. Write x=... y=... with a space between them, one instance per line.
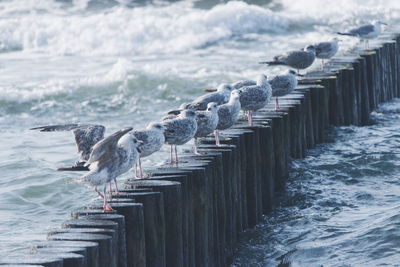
x=124 y=63
x=341 y=207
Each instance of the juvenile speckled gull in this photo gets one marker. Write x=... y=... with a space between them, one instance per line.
x=207 y=122
x=180 y=130
x=255 y=97
x=109 y=158
x=227 y=114
x=298 y=59
x=221 y=96
x=86 y=136
x=282 y=85
x=326 y=50
x=366 y=32
x=153 y=139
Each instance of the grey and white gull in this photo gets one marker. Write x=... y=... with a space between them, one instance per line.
x=153 y=139
x=180 y=130
x=326 y=50
x=207 y=122
x=109 y=158
x=366 y=32
x=255 y=97
x=86 y=136
x=227 y=114
x=221 y=96
x=298 y=59
x=282 y=85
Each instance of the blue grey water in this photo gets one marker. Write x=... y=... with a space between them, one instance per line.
x=124 y=63
x=341 y=207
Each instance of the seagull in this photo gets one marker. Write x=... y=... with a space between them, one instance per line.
x=111 y=157
x=86 y=136
x=180 y=130
x=326 y=50
x=228 y=114
x=207 y=122
x=221 y=96
x=153 y=139
x=366 y=32
x=298 y=59
x=282 y=85
x=255 y=97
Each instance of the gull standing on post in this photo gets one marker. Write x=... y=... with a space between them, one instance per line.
x=153 y=139
x=298 y=59
x=86 y=136
x=207 y=122
x=228 y=114
x=326 y=50
x=282 y=85
x=221 y=96
x=255 y=97
x=109 y=158
x=179 y=131
x=366 y=32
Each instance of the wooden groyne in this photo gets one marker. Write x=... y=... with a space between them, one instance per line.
x=192 y=215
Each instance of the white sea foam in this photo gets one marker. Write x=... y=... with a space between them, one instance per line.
x=142 y=30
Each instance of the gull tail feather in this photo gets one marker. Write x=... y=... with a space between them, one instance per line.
x=272 y=62
x=345 y=33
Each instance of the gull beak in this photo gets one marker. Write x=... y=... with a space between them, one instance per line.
x=210 y=89
x=300 y=75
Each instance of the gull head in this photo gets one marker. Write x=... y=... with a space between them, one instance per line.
x=137 y=144
x=212 y=106
x=156 y=126
x=225 y=87
x=235 y=94
x=188 y=113
x=310 y=48
x=129 y=140
x=292 y=72
x=262 y=79
x=378 y=23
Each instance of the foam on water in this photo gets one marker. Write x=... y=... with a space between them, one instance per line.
x=167 y=29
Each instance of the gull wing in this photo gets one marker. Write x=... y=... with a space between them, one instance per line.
x=106 y=146
x=86 y=135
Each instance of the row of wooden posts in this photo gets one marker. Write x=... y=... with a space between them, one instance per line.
x=192 y=215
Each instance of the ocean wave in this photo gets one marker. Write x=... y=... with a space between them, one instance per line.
x=167 y=29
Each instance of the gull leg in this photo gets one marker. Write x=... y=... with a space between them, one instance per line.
x=176 y=155
x=136 y=173
x=106 y=206
x=140 y=168
x=170 y=155
x=110 y=187
x=277 y=104
x=196 y=151
x=250 y=118
x=322 y=64
x=116 y=186
x=98 y=192
x=216 y=134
